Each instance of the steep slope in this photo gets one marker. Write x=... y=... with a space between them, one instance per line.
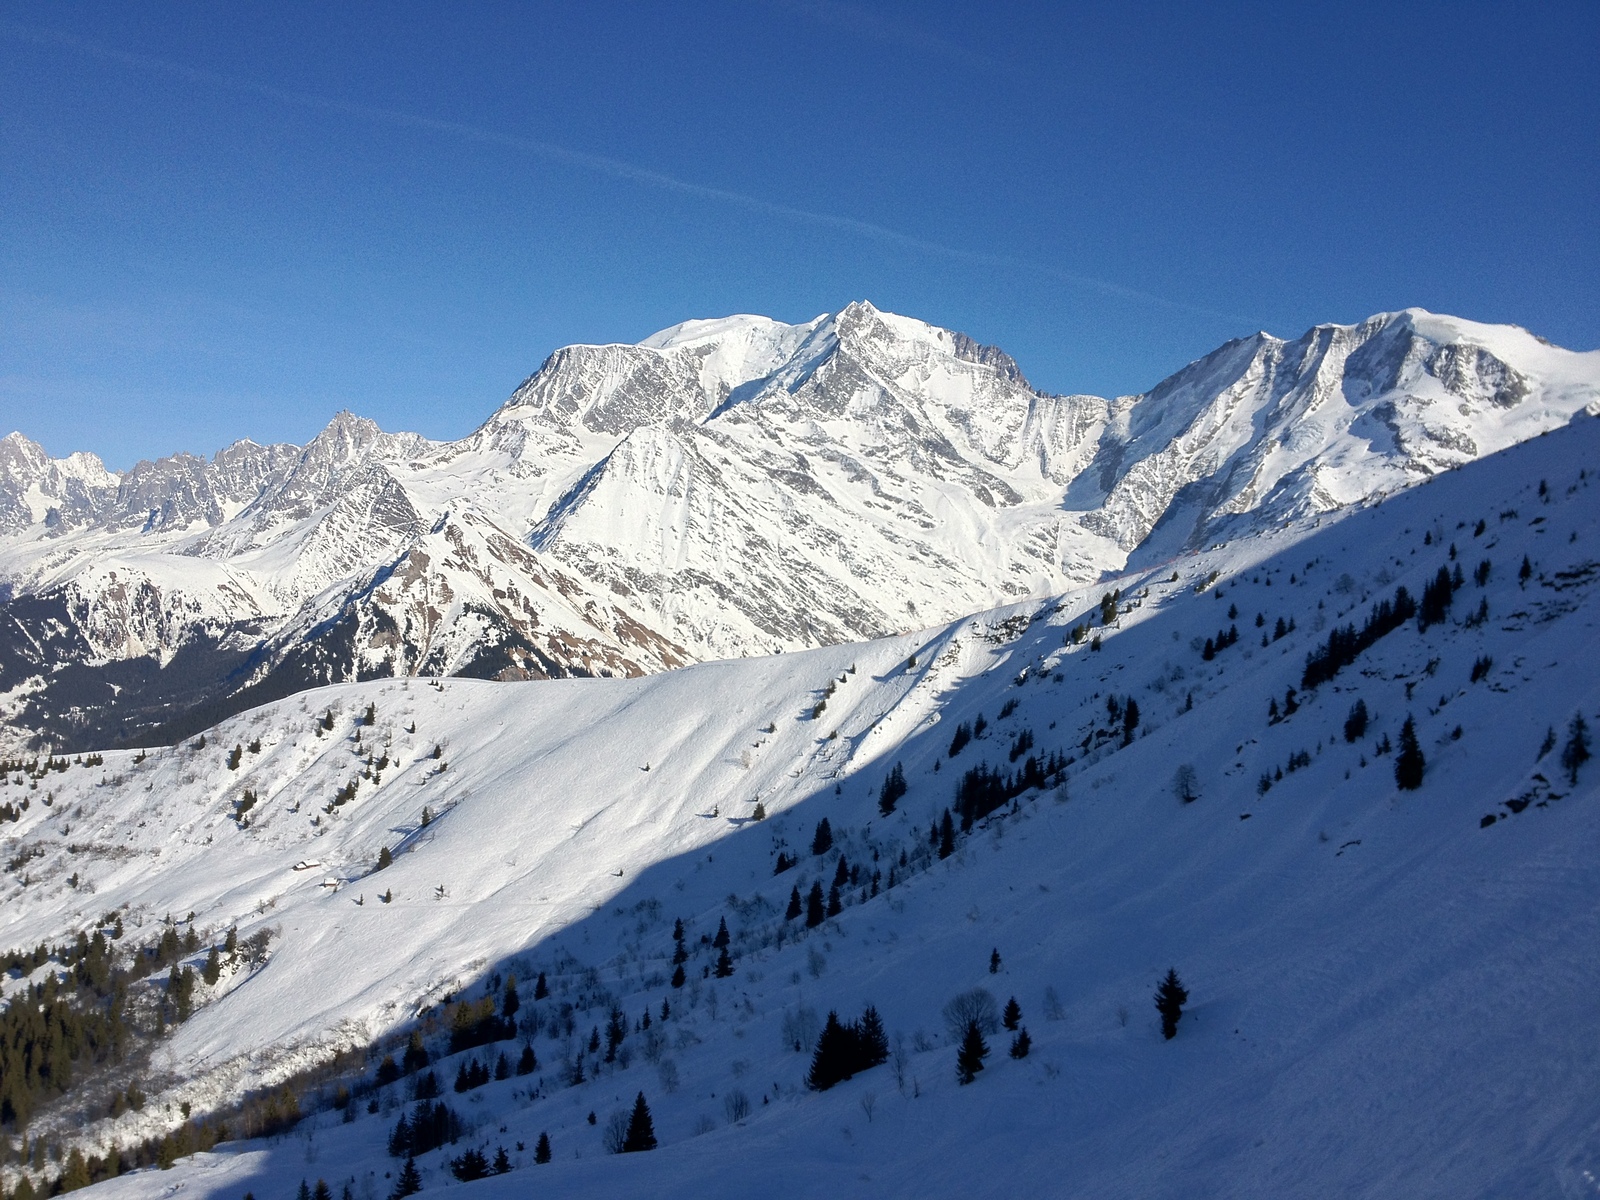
x=1391 y=990
x=724 y=488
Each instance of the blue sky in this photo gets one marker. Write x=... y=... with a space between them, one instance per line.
x=220 y=221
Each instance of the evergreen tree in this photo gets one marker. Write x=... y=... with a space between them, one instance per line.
x=822 y=840
x=1549 y=742
x=947 y=835
x=1525 y=571
x=502 y=1162
x=1021 y=1044
x=1355 y=725
x=641 y=1131
x=1170 y=999
x=212 y=971
x=894 y=787
x=843 y=1050
x=416 y=1056
x=470 y=1165
x=835 y=906
x=540 y=990
x=814 y=910
x=1130 y=721
x=529 y=1062
x=541 y=1152
x=678 y=977
x=721 y=939
x=724 y=967
x=385 y=858
x=1408 y=763
x=1012 y=1017
x=1576 y=752
x=872 y=1038
x=969 y=1059
x=794 y=908
x=305 y=1191
x=510 y=1002
x=75 y=1173
x=410 y=1181
x=322 y=1191
x=994 y=962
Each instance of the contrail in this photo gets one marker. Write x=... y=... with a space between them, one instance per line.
x=600 y=163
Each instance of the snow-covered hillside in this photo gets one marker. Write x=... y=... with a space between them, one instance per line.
x=725 y=488
x=1391 y=991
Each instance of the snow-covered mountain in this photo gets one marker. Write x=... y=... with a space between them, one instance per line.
x=724 y=488
x=1390 y=991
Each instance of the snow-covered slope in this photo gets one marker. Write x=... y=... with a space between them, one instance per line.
x=1391 y=991
x=724 y=488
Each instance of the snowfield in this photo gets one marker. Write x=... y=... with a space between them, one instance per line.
x=1392 y=992
x=725 y=488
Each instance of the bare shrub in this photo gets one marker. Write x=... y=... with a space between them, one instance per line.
x=978 y=1006
x=800 y=1028
x=616 y=1132
x=668 y=1070
x=1053 y=1010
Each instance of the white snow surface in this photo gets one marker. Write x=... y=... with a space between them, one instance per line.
x=737 y=486
x=1386 y=998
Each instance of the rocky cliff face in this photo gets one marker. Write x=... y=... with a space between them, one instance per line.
x=724 y=488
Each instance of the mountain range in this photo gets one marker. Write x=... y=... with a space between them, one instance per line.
x=725 y=488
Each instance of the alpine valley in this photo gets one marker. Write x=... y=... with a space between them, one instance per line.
x=788 y=760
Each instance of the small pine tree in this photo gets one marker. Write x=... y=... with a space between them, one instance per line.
x=1408 y=763
x=1021 y=1044
x=1576 y=752
x=75 y=1172
x=1012 y=1016
x=540 y=989
x=721 y=939
x=1355 y=725
x=835 y=906
x=541 y=1151
x=994 y=962
x=947 y=835
x=212 y=971
x=529 y=1062
x=1170 y=999
x=410 y=1181
x=322 y=1191
x=385 y=858
x=502 y=1161
x=894 y=787
x=822 y=840
x=815 y=913
x=641 y=1130
x=1524 y=572
x=678 y=976
x=416 y=1056
x=969 y=1059
x=1549 y=742
x=795 y=907
x=724 y=967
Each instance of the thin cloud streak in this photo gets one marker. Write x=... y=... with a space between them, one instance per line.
x=605 y=165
